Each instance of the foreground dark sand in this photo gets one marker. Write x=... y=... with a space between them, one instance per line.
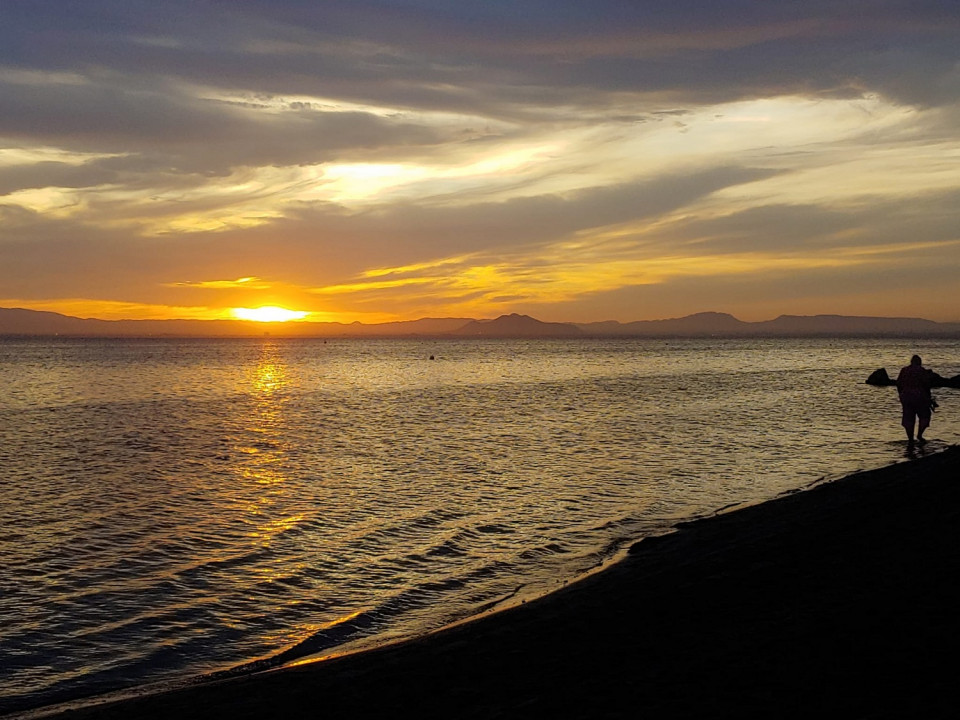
x=841 y=601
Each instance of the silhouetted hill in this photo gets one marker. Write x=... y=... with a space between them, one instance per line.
x=15 y=321
x=509 y=326
x=846 y=325
x=705 y=323
x=423 y=327
x=724 y=325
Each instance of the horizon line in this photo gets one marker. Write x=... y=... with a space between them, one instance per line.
x=441 y=318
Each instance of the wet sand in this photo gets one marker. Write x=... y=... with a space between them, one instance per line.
x=838 y=601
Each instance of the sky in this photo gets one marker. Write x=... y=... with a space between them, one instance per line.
x=390 y=160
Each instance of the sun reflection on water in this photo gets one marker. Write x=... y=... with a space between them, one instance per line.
x=264 y=465
x=270 y=373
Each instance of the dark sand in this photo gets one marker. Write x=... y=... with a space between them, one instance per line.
x=840 y=601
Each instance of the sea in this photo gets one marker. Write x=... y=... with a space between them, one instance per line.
x=176 y=508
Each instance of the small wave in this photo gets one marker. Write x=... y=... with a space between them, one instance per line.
x=494 y=529
x=209 y=566
x=450 y=548
x=542 y=551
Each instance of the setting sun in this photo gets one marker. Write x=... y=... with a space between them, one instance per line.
x=268 y=314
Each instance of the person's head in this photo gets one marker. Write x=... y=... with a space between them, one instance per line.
x=915 y=360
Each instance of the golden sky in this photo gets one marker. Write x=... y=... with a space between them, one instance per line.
x=393 y=160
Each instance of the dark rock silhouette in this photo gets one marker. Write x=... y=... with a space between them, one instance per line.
x=880 y=378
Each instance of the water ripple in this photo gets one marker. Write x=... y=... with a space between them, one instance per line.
x=172 y=508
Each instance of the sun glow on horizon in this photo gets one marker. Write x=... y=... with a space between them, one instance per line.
x=268 y=314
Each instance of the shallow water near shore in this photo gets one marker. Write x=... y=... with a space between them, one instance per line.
x=172 y=508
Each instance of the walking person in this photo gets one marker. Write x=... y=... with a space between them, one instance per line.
x=913 y=387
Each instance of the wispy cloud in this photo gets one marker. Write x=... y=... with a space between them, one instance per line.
x=246 y=283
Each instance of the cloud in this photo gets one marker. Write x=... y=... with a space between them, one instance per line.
x=46 y=174
x=189 y=132
x=482 y=155
x=247 y=283
x=326 y=242
x=409 y=233
x=871 y=224
x=830 y=252
x=209 y=87
x=497 y=59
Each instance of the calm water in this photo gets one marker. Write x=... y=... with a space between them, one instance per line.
x=171 y=508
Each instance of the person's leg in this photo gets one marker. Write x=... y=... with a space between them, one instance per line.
x=909 y=417
x=923 y=424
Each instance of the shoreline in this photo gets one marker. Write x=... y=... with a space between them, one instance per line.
x=836 y=598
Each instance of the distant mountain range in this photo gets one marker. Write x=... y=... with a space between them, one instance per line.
x=722 y=324
x=19 y=322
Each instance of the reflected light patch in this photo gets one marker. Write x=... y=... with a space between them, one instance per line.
x=268 y=314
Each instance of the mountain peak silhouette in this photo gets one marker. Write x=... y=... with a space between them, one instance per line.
x=516 y=325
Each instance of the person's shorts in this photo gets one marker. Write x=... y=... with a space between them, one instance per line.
x=912 y=411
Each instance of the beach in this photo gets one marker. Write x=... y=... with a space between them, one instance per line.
x=837 y=600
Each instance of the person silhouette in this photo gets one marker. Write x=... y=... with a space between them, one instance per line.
x=913 y=387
